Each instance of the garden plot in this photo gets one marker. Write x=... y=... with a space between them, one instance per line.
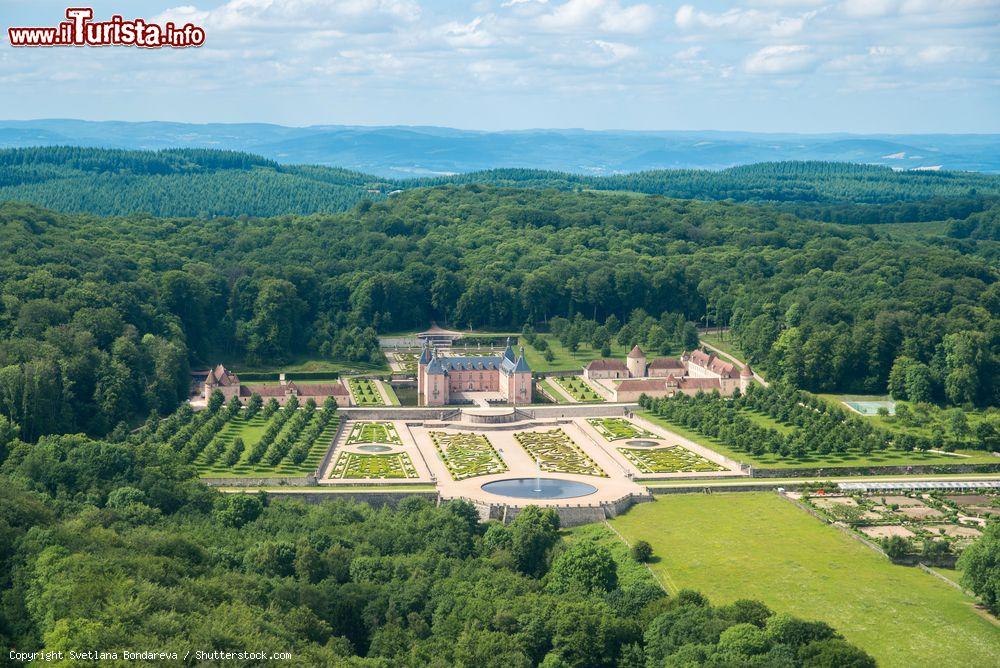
x=673 y=459
x=887 y=531
x=579 y=389
x=364 y=392
x=615 y=429
x=374 y=432
x=556 y=452
x=467 y=455
x=354 y=465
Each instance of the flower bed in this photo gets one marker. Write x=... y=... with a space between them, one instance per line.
x=356 y=465
x=673 y=459
x=374 y=432
x=615 y=429
x=467 y=455
x=557 y=453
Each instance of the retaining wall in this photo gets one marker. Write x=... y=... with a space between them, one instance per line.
x=304 y=481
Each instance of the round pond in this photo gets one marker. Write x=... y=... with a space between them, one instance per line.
x=641 y=444
x=374 y=448
x=544 y=488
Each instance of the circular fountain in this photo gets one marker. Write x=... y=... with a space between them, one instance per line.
x=374 y=448
x=539 y=488
x=641 y=444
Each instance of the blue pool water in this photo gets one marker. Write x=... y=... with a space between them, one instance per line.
x=546 y=488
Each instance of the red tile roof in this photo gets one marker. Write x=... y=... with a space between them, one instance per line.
x=606 y=365
x=666 y=363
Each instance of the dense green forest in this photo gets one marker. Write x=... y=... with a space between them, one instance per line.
x=117 y=546
x=101 y=317
x=195 y=182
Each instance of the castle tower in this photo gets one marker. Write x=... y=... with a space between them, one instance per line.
x=425 y=358
x=636 y=363
x=521 y=378
x=746 y=378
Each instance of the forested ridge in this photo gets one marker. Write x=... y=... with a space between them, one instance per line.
x=199 y=182
x=102 y=317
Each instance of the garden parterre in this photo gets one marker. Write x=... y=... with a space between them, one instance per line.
x=579 y=389
x=374 y=432
x=355 y=465
x=556 y=452
x=364 y=392
x=614 y=429
x=467 y=455
x=671 y=459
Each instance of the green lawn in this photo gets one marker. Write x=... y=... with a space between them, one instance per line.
x=391 y=393
x=765 y=420
x=364 y=392
x=306 y=364
x=565 y=360
x=556 y=395
x=850 y=459
x=760 y=546
x=725 y=343
x=578 y=389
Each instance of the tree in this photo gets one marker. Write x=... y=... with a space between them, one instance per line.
x=641 y=551
x=533 y=532
x=980 y=566
x=586 y=566
x=215 y=401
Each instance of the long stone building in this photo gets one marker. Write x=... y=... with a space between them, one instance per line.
x=696 y=371
x=228 y=383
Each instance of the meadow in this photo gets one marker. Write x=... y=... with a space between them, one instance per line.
x=760 y=546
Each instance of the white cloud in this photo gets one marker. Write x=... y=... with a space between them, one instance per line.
x=607 y=15
x=940 y=53
x=745 y=22
x=780 y=59
x=471 y=35
x=860 y=9
x=346 y=15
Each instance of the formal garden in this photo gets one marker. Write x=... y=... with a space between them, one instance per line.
x=615 y=429
x=364 y=392
x=355 y=465
x=671 y=459
x=578 y=388
x=258 y=440
x=467 y=455
x=374 y=432
x=556 y=452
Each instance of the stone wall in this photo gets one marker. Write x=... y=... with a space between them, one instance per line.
x=304 y=481
x=840 y=471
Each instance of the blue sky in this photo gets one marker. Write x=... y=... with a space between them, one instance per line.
x=764 y=65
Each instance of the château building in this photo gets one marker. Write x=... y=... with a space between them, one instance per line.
x=442 y=380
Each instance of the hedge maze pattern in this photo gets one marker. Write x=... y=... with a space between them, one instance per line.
x=374 y=432
x=364 y=392
x=579 y=389
x=673 y=459
x=557 y=453
x=360 y=466
x=614 y=429
x=467 y=455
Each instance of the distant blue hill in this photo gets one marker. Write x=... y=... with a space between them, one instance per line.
x=397 y=152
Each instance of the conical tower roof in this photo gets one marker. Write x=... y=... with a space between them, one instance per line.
x=636 y=352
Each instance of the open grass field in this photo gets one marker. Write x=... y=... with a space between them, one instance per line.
x=833 y=460
x=390 y=393
x=305 y=364
x=563 y=359
x=760 y=546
